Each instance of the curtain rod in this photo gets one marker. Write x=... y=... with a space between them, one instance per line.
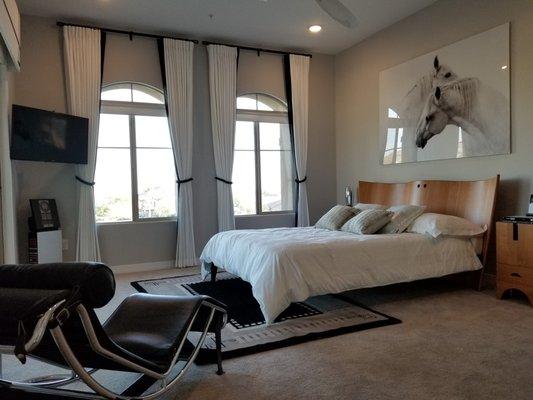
x=130 y=33
x=257 y=49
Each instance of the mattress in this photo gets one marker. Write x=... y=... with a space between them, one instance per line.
x=286 y=265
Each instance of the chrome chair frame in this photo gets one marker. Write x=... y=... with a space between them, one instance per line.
x=52 y=387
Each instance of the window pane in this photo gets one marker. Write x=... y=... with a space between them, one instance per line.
x=152 y=132
x=244 y=182
x=244 y=135
x=274 y=136
x=117 y=92
x=146 y=94
x=388 y=156
x=391 y=138
x=114 y=131
x=247 y=102
x=112 y=190
x=156 y=182
x=276 y=180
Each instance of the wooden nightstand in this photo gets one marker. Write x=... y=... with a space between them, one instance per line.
x=514 y=246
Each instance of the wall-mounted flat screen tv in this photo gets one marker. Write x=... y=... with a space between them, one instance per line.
x=39 y=135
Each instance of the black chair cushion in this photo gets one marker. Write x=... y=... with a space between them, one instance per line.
x=152 y=326
x=95 y=281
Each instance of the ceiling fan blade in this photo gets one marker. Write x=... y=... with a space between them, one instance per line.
x=338 y=11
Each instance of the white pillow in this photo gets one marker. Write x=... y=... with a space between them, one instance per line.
x=445 y=225
x=402 y=218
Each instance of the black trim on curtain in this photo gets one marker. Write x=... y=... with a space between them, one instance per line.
x=161 y=51
x=288 y=94
x=103 y=37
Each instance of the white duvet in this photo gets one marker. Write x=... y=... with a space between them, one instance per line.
x=286 y=265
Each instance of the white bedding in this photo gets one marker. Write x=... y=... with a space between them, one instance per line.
x=286 y=265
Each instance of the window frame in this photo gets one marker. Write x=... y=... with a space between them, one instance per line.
x=257 y=117
x=132 y=109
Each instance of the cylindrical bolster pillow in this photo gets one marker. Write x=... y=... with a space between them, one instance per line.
x=95 y=280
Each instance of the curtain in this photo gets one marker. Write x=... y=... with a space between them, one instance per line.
x=299 y=82
x=222 y=90
x=8 y=217
x=82 y=54
x=177 y=71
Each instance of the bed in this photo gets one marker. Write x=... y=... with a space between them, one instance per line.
x=285 y=265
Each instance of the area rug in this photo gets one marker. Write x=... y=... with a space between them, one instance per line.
x=246 y=331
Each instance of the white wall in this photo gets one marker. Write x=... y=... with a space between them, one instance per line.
x=357 y=103
x=41 y=84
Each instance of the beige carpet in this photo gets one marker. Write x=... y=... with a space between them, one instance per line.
x=453 y=344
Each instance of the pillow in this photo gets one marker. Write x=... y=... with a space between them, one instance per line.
x=367 y=222
x=369 y=206
x=447 y=225
x=336 y=217
x=402 y=218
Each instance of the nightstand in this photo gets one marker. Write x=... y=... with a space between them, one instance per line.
x=514 y=246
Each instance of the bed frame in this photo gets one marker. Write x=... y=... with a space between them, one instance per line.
x=472 y=200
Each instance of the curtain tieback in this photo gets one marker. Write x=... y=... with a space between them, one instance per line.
x=298 y=181
x=223 y=180
x=84 y=181
x=180 y=181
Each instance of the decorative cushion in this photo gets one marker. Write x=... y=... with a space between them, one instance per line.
x=446 y=225
x=368 y=222
x=369 y=206
x=402 y=218
x=336 y=217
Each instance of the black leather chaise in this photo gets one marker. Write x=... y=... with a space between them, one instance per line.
x=47 y=312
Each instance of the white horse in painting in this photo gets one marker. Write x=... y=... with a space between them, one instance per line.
x=480 y=111
x=413 y=103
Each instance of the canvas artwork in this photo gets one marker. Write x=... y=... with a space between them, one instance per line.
x=451 y=103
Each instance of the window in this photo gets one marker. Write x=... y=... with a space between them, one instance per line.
x=135 y=173
x=393 y=146
x=263 y=179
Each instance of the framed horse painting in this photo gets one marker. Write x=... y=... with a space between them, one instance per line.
x=451 y=103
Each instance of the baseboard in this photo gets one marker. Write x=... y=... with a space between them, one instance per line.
x=489 y=281
x=142 y=267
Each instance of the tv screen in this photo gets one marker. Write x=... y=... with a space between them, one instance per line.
x=39 y=135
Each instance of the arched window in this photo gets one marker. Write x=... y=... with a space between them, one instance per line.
x=263 y=178
x=135 y=174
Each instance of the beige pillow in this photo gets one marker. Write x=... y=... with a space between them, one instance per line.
x=370 y=206
x=336 y=217
x=368 y=222
x=402 y=218
x=445 y=225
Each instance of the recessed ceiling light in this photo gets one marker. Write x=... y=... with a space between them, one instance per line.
x=315 y=28
x=504 y=66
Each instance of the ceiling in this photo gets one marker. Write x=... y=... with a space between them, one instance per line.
x=280 y=24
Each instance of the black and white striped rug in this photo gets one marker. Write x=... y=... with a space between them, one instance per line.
x=246 y=333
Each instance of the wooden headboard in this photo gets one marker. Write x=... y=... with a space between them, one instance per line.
x=472 y=200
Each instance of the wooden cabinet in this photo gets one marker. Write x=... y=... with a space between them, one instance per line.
x=514 y=247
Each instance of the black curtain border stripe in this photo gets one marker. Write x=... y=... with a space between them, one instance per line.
x=161 y=52
x=103 y=38
x=288 y=94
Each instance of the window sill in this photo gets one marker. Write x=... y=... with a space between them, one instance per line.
x=146 y=221
x=271 y=214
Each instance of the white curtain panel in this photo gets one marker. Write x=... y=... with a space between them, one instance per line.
x=82 y=69
x=8 y=234
x=223 y=92
x=179 y=79
x=299 y=66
